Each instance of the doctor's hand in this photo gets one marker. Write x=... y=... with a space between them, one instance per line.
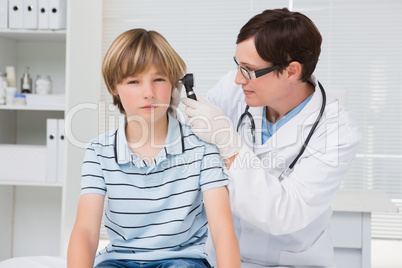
x=211 y=124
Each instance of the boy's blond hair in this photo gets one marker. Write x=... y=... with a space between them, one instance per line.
x=136 y=50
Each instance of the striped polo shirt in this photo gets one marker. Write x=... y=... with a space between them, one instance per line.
x=155 y=210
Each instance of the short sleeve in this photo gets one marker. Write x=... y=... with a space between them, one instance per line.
x=212 y=174
x=92 y=180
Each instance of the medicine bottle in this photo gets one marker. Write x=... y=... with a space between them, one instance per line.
x=26 y=82
x=43 y=85
x=20 y=99
x=3 y=86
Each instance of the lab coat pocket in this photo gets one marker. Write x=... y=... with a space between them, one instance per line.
x=321 y=253
x=256 y=246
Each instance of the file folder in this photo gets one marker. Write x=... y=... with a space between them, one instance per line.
x=43 y=14
x=30 y=14
x=61 y=151
x=3 y=14
x=51 y=149
x=15 y=14
x=57 y=14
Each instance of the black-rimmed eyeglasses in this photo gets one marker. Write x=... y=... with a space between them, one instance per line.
x=249 y=75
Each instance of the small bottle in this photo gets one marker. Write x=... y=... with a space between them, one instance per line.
x=43 y=85
x=19 y=99
x=26 y=82
x=3 y=86
x=11 y=78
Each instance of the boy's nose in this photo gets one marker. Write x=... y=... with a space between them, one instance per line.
x=149 y=92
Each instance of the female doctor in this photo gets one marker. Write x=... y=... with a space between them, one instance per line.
x=281 y=201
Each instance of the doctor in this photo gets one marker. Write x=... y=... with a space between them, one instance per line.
x=282 y=210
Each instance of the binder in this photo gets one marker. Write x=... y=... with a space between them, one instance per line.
x=30 y=14
x=15 y=14
x=61 y=151
x=57 y=14
x=43 y=14
x=3 y=14
x=51 y=149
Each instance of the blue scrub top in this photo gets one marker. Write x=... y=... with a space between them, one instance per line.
x=268 y=129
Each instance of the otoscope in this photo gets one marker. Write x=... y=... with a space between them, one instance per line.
x=188 y=82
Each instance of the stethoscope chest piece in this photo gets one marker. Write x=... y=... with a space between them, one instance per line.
x=285 y=174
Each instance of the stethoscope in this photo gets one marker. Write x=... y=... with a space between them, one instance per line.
x=289 y=170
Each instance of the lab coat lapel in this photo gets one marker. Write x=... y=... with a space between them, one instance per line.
x=295 y=130
x=284 y=136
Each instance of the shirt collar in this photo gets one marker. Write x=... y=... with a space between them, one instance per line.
x=268 y=128
x=174 y=144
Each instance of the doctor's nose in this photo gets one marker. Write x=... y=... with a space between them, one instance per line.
x=240 y=79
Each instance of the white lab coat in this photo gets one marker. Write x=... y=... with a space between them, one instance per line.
x=287 y=223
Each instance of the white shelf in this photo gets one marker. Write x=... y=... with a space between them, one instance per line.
x=32 y=108
x=34 y=35
x=363 y=201
x=30 y=183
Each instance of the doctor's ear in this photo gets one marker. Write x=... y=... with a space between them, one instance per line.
x=294 y=70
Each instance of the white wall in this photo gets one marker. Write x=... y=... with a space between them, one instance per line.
x=84 y=20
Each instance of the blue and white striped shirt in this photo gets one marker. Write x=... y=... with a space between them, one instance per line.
x=155 y=210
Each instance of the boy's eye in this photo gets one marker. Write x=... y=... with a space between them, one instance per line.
x=161 y=79
x=132 y=81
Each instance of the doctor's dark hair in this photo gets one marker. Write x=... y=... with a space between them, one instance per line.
x=134 y=52
x=282 y=36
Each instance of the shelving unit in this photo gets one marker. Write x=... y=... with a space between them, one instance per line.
x=34 y=35
x=37 y=216
x=32 y=108
x=31 y=202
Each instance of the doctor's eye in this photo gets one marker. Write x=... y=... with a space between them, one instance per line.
x=249 y=69
x=246 y=73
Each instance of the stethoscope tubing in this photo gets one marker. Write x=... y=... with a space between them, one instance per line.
x=248 y=114
x=324 y=102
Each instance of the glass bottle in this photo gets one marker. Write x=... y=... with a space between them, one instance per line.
x=26 y=82
x=3 y=86
x=43 y=85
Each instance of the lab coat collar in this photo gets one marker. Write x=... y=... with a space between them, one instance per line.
x=174 y=144
x=299 y=125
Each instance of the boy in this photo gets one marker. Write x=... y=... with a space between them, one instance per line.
x=161 y=180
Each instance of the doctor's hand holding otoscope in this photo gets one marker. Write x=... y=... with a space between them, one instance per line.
x=201 y=113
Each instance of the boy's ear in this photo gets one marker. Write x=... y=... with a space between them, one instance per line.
x=178 y=85
x=294 y=70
